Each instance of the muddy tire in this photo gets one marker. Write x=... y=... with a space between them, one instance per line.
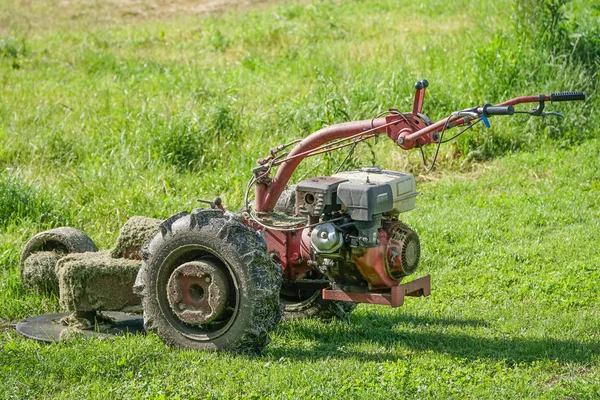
x=206 y=283
x=312 y=305
x=49 y=246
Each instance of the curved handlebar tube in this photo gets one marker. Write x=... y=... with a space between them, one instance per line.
x=284 y=173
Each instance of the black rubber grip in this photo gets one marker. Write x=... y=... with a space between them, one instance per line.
x=498 y=110
x=567 y=96
x=421 y=84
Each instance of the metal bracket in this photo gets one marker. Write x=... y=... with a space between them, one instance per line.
x=216 y=203
x=538 y=112
x=395 y=297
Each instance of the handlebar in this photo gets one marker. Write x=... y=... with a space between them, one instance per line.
x=406 y=129
x=504 y=108
x=567 y=96
x=489 y=109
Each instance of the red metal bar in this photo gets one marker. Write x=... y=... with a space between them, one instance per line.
x=431 y=128
x=329 y=147
x=260 y=192
x=395 y=297
x=418 y=102
x=524 y=99
x=312 y=142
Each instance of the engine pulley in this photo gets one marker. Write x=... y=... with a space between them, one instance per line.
x=326 y=239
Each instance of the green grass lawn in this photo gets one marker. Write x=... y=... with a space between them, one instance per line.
x=106 y=113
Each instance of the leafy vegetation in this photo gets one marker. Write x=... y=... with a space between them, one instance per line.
x=106 y=114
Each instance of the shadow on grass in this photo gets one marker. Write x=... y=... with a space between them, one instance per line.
x=400 y=334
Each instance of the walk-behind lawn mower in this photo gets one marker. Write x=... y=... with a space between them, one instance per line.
x=213 y=279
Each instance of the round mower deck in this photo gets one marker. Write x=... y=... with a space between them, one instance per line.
x=50 y=328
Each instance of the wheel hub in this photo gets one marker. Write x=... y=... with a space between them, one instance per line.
x=198 y=292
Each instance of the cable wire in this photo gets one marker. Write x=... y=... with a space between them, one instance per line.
x=437 y=150
x=471 y=125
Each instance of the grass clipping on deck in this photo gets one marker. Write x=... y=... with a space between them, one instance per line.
x=133 y=235
x=96 y=281
x=39 y=272
x=103 y=281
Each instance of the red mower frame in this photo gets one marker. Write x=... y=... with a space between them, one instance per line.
x=291 y=246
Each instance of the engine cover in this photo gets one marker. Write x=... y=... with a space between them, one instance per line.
x=316 y=196
x=373 y=191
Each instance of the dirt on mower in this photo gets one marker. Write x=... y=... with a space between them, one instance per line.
x=133 y=235
x=103 y=281
x=39 y=272
x=97 y=281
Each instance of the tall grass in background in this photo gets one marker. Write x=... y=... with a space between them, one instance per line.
x=114 y=120
x=548 y=50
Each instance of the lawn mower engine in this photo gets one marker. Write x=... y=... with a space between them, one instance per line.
x=350 y=235
x=360 y=246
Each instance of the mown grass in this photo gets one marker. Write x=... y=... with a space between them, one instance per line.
x=104 y=116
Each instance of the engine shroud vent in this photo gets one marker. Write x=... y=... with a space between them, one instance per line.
x=317 y=196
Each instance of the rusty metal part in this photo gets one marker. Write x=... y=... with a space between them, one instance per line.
x=198 y=292
x=50 y=328
x=406 y=126
x=403 y=251
x=394 y=297
x=291 y=249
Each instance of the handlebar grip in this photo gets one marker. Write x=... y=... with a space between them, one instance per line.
x=498 y=110
x=567 y=96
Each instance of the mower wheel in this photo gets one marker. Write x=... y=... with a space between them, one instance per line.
x=42 y=252
x=207 y=283
x=310 y=304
